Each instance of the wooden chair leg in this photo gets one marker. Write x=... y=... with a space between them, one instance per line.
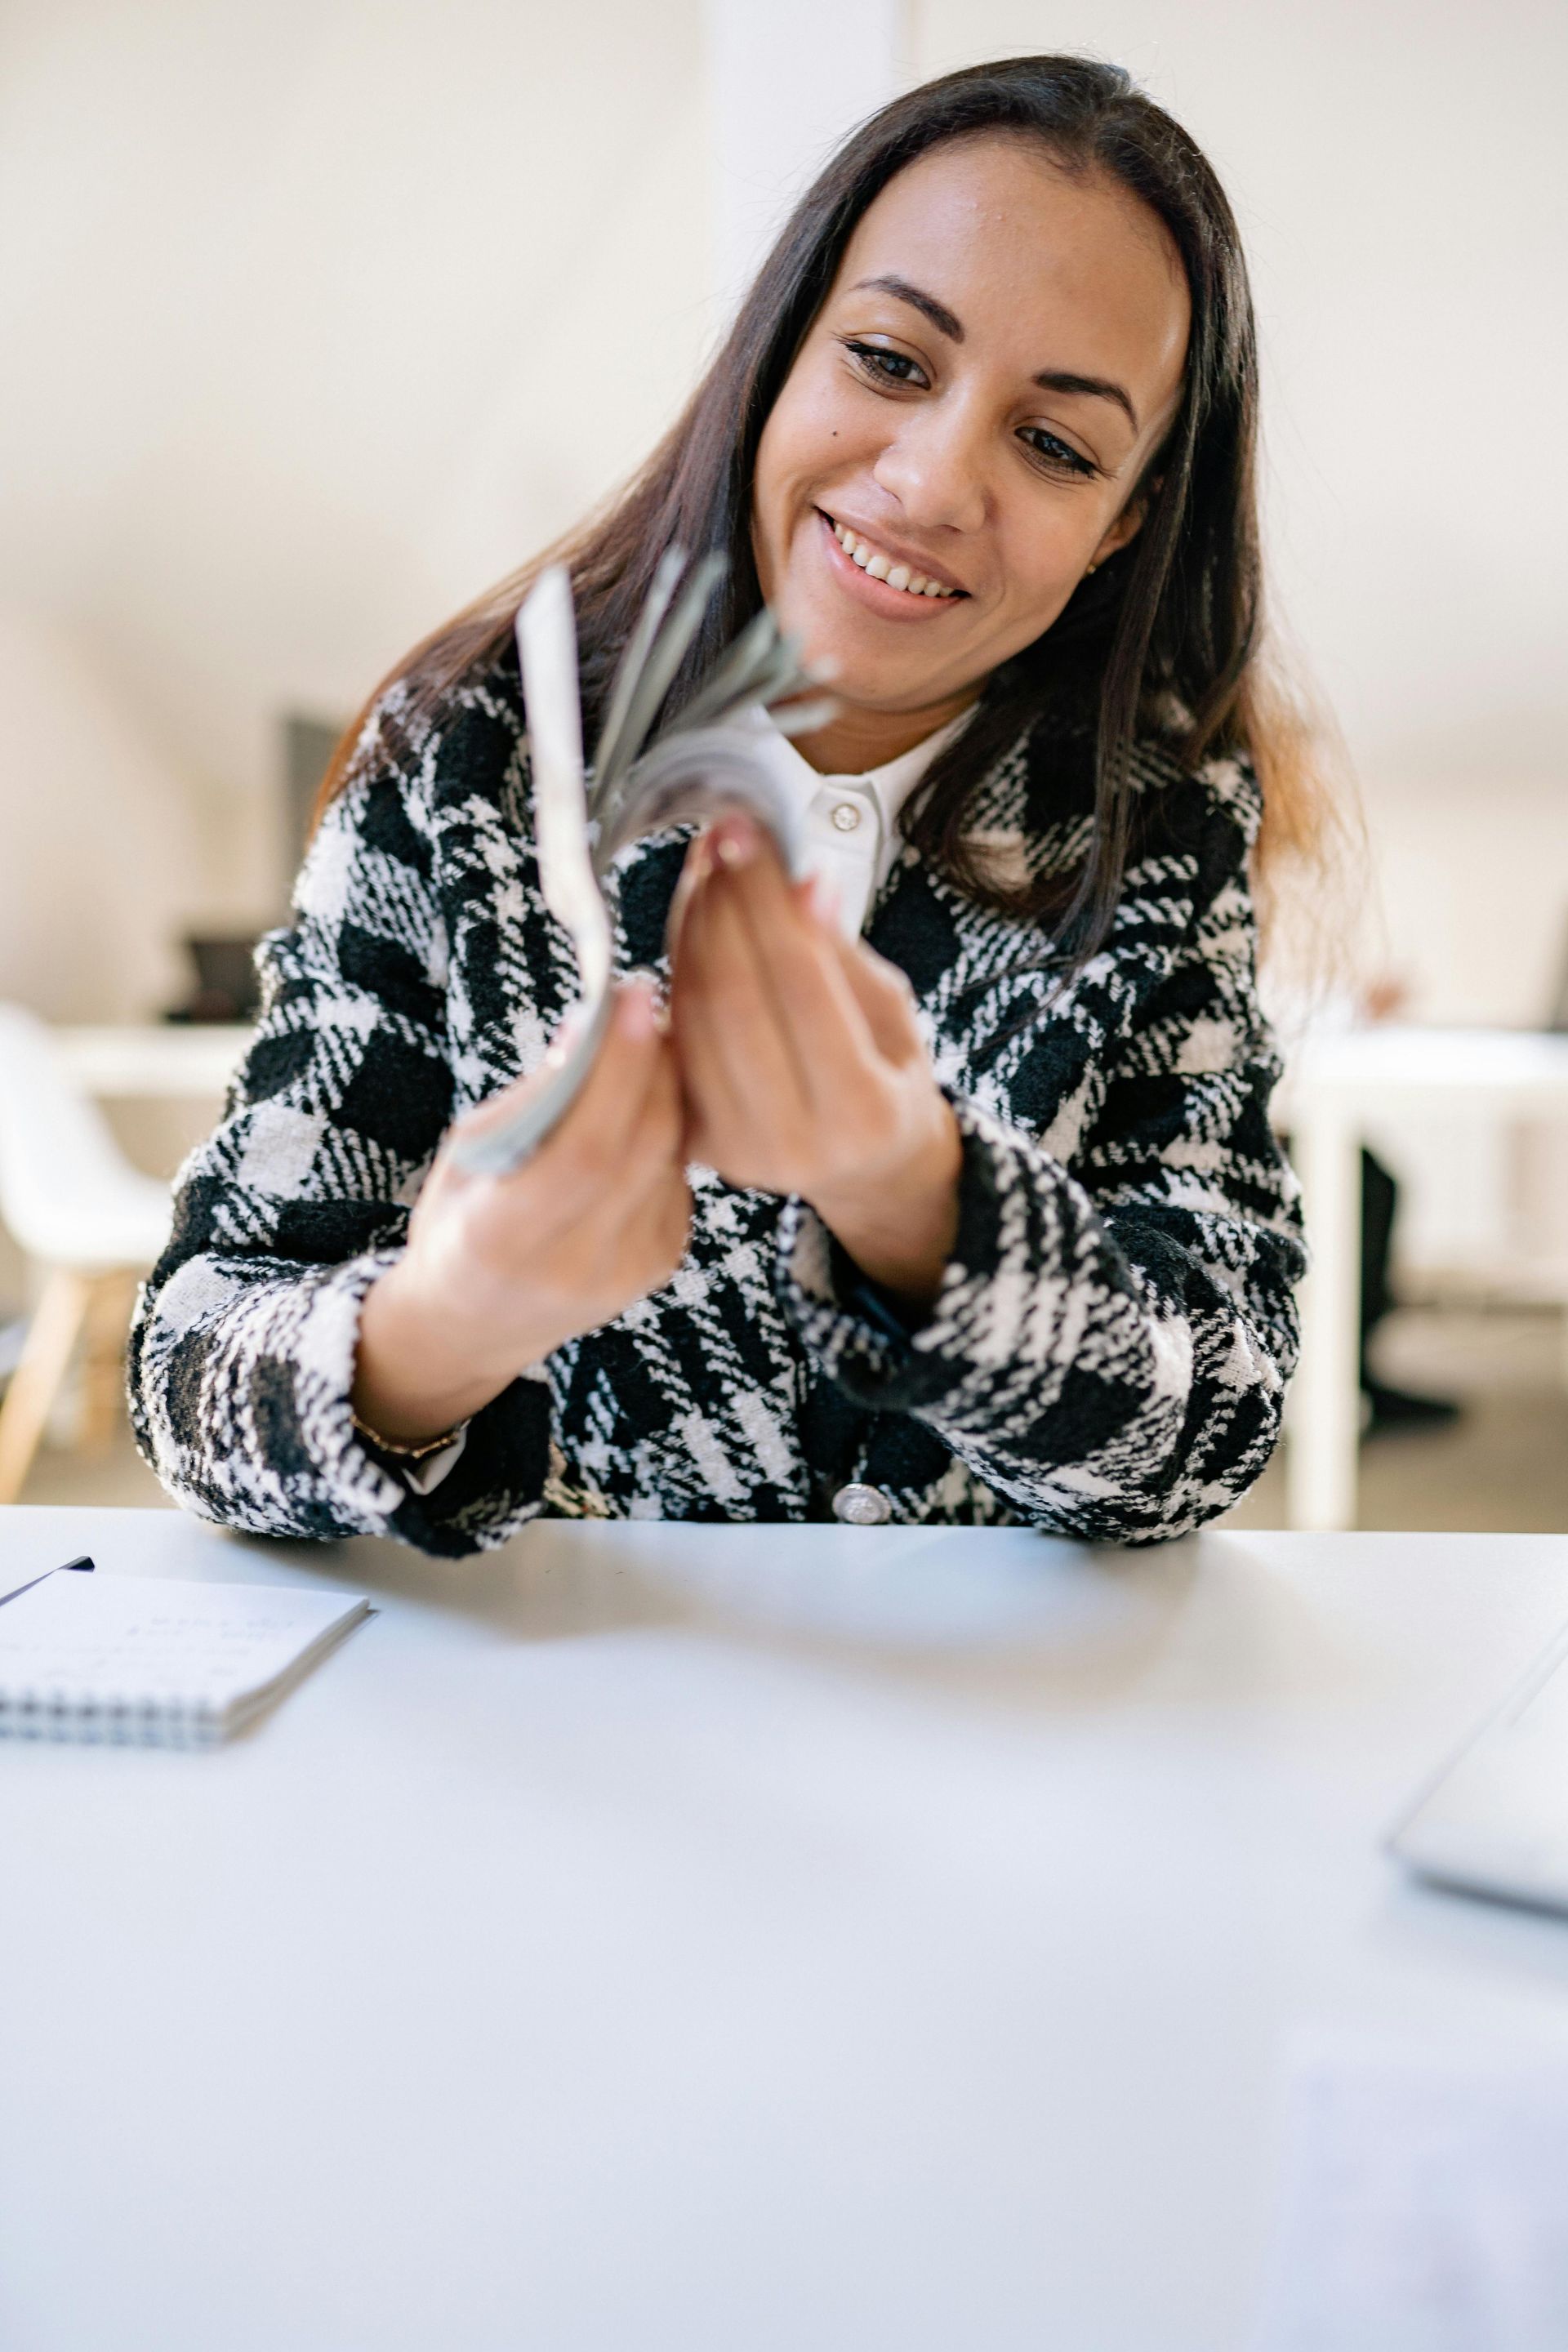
x=45 y=1359
x=103 y=1359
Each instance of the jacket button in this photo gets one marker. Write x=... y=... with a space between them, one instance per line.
x=862 y=1506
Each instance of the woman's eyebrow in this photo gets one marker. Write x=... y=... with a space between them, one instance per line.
x=1093 y=387
x=1097 y=387
x=928 y=306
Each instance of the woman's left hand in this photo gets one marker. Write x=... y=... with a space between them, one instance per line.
x=802 y=1064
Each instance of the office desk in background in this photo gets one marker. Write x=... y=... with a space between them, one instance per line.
x=1338 y=1087
x=160 y=1061
x=738 y=1940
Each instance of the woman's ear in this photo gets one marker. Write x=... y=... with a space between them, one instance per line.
x=1127 y=526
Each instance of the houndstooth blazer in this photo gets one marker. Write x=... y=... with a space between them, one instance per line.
x=1108 y=1347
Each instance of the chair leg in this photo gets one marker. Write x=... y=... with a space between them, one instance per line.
x=45 y=1359
x=103 y=1359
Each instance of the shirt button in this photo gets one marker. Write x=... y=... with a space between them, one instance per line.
x=845 y=817
x=862 y=1506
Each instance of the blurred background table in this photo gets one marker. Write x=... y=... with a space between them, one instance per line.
x=160 y=1060
x=1338 y=1086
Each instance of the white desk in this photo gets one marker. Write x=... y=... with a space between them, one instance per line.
x=158 y=1059
x=763 y=1940
x=1337 y=1088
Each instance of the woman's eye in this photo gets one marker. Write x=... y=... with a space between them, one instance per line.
x=884 y=366
x=1057 y=455
x=888 y=367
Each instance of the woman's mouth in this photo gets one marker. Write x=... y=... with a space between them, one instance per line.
x=899 y=582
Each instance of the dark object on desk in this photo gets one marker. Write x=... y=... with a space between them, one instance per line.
x=308 y=747
x=1557 y=1012
x=225 y=987
x=15 y=1591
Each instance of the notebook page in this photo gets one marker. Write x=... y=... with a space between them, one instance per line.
x=78 y=1641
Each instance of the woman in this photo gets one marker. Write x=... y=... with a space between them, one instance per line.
x=978 y=1218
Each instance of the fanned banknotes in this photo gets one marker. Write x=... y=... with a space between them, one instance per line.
x=641 y=783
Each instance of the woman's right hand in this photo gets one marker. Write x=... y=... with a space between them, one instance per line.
x=499 y=1270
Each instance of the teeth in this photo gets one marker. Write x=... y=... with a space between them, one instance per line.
x=871 y=561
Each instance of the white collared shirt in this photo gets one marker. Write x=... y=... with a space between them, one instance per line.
x=851 y=822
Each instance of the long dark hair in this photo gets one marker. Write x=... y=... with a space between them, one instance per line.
x=1170 y=623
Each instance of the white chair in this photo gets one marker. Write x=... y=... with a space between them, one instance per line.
x=91 y=1221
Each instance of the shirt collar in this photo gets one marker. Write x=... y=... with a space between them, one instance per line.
x=889 y=785
x=849 y=823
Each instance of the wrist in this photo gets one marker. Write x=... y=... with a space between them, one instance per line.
x=416 y=1379
x=901 y=1229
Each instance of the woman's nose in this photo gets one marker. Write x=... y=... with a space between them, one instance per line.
x=934 y=467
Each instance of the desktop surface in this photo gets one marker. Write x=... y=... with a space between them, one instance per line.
x=738 y=1937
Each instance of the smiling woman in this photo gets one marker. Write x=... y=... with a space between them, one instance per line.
x=944 y=1189
x=1028 y=324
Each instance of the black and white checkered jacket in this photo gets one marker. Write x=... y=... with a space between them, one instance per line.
x=1108 y=1347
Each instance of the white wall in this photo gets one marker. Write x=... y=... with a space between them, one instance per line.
x=318 y=316
x=104 y=850
x=775 y=113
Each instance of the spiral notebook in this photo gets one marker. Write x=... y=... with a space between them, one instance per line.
x=140 y=1660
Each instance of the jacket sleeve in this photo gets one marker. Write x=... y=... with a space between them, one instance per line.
x=243 y=1347
x=1110 y=1342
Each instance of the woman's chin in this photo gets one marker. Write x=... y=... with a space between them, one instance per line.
x=861 y=685
x=863 y=660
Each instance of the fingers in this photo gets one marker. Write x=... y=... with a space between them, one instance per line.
x=622 y=1129
x=694 y=871
x=727 y=1024
x=652 y=1152
x=653 y=1237
x=599 y=1123
x=592 y=1151
x=885 y=998
x=816 y=1008
x=624 y=1058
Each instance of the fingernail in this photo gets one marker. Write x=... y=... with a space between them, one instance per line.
x=638 y=1014
x=735 y=841
x=645 y=977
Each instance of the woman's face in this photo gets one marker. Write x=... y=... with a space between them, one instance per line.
x=972 y=408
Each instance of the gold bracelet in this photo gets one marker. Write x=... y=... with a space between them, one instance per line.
x=399 y=1448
